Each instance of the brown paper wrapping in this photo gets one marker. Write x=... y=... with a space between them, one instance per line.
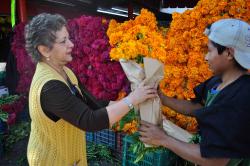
x=176 y=132
x=152 y=73
x=134 y=72
x=150 y=110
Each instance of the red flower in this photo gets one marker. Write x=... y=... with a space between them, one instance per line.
x=25 y=66
x=101 y=76
x=11 y=119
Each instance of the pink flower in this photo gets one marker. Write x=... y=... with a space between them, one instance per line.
x=25 y=66
x=101 y=76
x=11 y=119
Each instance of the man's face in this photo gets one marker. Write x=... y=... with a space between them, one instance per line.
x=218 y=63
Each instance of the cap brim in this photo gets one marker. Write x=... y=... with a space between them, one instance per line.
x=243 y=58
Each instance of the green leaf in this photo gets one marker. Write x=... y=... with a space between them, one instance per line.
x=132 y=115
x=150 y=49
x=195 y=139
x=139 y=59
x=16 y=133
x=139 y=149
x=139 y=157
x=139 y=36
x=9 y=99
x=3 y=116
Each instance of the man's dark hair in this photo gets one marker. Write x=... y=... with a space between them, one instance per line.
x=221 y=49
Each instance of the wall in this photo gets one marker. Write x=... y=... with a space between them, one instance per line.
x=5 y=7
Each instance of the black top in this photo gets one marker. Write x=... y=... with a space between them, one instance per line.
x=225 y=124
x=85 y=112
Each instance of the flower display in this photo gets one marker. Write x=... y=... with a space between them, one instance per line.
x=25 y=66
x=186 y=47
x=101 y=76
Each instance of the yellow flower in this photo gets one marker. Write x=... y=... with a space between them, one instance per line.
x=139 y=37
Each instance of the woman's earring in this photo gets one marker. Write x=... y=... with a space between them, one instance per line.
x=47 y=58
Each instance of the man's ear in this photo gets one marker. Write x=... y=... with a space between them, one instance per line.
x=230 y=53
x=44 y=51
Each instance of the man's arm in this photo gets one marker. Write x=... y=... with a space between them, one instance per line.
x=191 y=152
x=181 y=106
x=151 y=134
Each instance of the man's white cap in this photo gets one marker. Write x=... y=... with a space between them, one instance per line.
x=232 y=33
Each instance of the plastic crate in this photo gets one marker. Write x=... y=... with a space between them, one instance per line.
x=159 y=158
x=89 y=136
x=117 y=152
x=119 y=141
x=106 y=137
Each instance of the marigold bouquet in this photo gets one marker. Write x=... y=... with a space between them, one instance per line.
x=133 y=41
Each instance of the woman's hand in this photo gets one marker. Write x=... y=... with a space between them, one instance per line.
x=112 y=102
x=152 y=134
x=142 y=93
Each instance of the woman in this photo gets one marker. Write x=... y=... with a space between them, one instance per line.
x=59 y=110
x=221 y=105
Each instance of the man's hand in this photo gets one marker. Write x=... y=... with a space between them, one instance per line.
x=152 y=134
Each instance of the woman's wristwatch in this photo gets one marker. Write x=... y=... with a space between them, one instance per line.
x=129 y=103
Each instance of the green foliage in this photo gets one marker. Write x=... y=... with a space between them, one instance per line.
x=8 y=99
x=3 y=116
x=100 y=153
x=132 y=115
x=17 y=132
x=139 y=59
x=128 y=118
x=196 y=139
x=139 y=36
x=139 y=149
x=22 y=160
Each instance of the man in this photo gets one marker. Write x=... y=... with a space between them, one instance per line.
x=222 y=103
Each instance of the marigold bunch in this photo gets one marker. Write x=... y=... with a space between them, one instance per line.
x=135 y=38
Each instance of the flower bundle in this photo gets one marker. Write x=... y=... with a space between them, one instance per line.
x=101 y=76
x=131 y=41
x=137 y=38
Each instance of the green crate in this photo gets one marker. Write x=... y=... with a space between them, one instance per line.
x=159 y=158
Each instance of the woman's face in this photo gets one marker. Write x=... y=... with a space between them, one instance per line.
x=62 y=48
x=218 y=63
